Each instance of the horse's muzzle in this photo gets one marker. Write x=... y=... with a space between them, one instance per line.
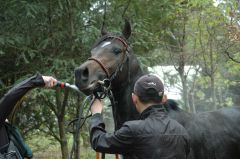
x=88 y=76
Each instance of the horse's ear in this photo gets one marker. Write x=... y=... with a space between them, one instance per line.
x=127 y=29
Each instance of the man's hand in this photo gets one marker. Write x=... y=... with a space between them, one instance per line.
x=49 y=81
x=96 y=107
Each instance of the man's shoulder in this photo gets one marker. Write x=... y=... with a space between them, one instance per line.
x=134 y=124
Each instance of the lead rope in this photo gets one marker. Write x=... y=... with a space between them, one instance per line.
x=111 y=97
x=106 y=92
x=111 y=77
x=79 y=120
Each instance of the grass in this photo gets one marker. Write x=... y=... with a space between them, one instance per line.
x=45 y=148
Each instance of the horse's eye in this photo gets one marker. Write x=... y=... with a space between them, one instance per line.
x=116 y=50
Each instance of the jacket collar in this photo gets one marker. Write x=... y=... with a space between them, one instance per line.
x=151 y=109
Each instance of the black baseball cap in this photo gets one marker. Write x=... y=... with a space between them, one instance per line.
x=149 y=86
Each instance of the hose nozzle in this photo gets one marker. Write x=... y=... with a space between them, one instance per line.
x=67 y=85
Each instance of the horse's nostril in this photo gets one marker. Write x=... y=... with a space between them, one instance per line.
x=82 y=74
x=85 y=74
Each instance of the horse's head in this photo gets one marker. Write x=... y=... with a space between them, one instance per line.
x=108 y=58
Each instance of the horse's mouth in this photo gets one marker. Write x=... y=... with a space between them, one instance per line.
x=89 y=89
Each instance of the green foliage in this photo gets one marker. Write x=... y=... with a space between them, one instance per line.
x=54 y=37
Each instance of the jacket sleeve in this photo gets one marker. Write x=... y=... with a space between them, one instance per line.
x=9 y=100
x=121 y=141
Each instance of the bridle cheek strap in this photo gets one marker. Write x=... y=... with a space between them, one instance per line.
x=102 y=66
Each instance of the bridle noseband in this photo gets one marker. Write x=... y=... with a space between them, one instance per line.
x=102 y=66
x=111 y=76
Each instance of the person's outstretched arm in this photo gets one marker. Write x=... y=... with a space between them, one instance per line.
x=9 y=100
x=119 y=142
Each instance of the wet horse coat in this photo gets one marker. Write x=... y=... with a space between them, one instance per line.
x=214 y=135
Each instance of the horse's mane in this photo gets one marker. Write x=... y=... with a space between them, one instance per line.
x=171 y=105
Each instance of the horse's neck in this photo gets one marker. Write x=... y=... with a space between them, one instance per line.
x=182 y=117
x=124 y=109
x=176 y=113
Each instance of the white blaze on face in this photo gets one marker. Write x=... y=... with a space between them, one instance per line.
x=106 y=43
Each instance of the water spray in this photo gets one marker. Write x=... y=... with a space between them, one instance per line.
x=105 y=83
x=67 y=85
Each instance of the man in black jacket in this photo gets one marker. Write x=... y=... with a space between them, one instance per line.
x=9 y=100
x=153 y=136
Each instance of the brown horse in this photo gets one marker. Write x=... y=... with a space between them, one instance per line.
x=113 y=59
x=214 y=135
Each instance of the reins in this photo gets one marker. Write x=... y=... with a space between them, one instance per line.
x=81 y=120
x=106 y=90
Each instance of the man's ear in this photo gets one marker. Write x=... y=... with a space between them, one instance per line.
x=164 y=99
x=134 y=98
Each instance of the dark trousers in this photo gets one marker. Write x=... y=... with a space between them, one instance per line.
x=3 y=136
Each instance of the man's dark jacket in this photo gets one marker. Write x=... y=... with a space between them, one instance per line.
x=154 y=136
x=9 y=100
